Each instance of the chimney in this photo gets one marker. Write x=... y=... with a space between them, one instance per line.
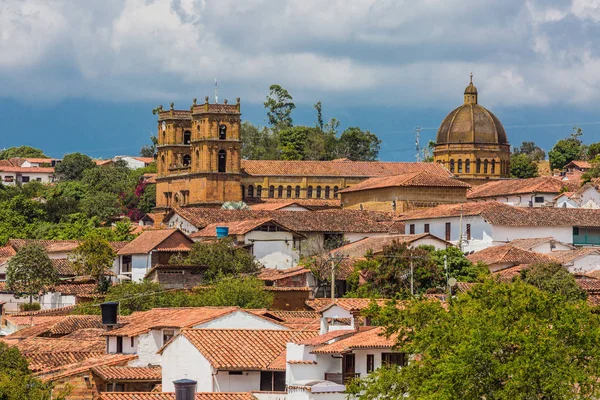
x=185 y=389
x=109 y=313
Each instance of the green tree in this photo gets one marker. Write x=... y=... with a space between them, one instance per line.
x=244 y=292
x=279 y=107
x=522 y=166
x=94 y=257
x=459 y=266
x=104 y=205
x=221 y=258
x=30 y=272
x=21 y=151
x=17 y=382
x=566 y=150
x=593 y=150
x=72 y=166
x=358 y=145
x=553 y=278
x=149 y=150
x=259 y=143
x=319 y=108
x=498 y=341
x=532 y=150
x=293 y=141
x=148 y=199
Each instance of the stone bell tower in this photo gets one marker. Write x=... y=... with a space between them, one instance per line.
x=199 y=155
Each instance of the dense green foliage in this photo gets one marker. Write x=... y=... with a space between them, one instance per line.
x=567 y=150
x=501 y=341
x=21 y=151
x=16 y=380
x=72 y=167
x=282 y=140
x=246 y=292
x=523 y=166
x=388 y=276
x=94 y=257
x=532 y=150
x=73 y=208
x=553 y=278
x=30 y=272
x=220 y=258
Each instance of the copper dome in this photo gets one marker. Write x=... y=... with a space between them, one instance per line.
x=471 y=123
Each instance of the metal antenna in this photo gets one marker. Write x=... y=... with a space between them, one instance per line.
x=216 y=91
x=417 y=131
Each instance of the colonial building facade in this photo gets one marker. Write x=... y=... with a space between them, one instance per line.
x=199 y=163
x=471 y=142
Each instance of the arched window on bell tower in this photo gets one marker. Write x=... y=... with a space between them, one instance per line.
x=187 y=160
x=187 y=137
x=222 y=161
x=468 y=166
x=452 y=166
x=460 y=166
x=222 y=132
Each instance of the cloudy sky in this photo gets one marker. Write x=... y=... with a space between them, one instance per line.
x=84 y=74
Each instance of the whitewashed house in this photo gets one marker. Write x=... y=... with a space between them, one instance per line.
x=144 y=333
x=546 y=245
x=530 y=192
x=316 y=227
x=134 y=162
x=229 y=360
x=585 y=197
x=475 y=226
x=582 y=260
x=150 y=248
x=272 y=244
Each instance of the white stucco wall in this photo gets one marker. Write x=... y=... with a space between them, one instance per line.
x=140 y=264
x=590 y=262
x=241 y=320
x=502 y=233
x=522 y=200
x=246 y=382
x=481 y=231
x=181 y=360
x=546 y=248
x=177 y=221
x=273 y=249
x=299 y=372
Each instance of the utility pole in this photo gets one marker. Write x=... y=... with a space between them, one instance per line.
x=412 y=277
x=446 y=270
x=332 y=279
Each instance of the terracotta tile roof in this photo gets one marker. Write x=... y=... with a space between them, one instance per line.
x=271 y=274
x=147 y=241
x=66 y=370
x=528 y=244
x=242 y=349
x=47 y=312
x=176 y=317
x=314 y=221
x=59 y=345
x=39 y=160
x=57 y=246
x=296 y=320
x=420 y=179
x=277 y=204
x=72 y=323
x=376 y=244
x=39 y=362
x=171 y=396
x=121 y=373
x=593 y=300
x=349 y=304
x=86 y=334
x=34 y=319
x=36 y=170
x=39 y=329
x=508 y=274
x=508 y=187
x=508 y=254
x=287 y=288
x=6 y=252
x=337 y=168
x=146 y=160
x=502 y=214
x=75 y=288
x=238 y=227
x=327 y=337
x=567 y=194
x=579 y=164
x=64 y=267
x=396 y=227
x=566 y=257
x=589 y=284
x=367 y=339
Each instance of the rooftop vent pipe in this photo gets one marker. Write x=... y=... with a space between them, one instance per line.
x=185 y=389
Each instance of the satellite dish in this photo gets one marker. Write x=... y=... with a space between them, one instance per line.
x=451 y=281
x=164 y=126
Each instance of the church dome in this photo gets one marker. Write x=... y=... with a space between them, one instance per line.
x=471 y=123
